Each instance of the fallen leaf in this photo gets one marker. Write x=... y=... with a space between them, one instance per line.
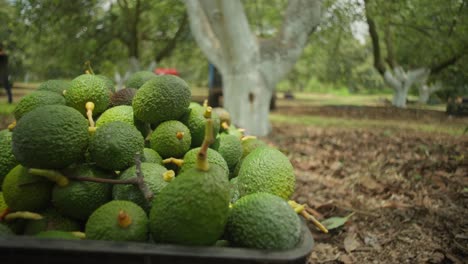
x=335 y=222
x=351 y=242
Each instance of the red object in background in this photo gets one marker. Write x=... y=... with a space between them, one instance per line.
x=164 y=71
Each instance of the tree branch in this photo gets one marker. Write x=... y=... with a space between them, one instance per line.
x=378 y=63
x=436 y=68
x=170 y=46
x=389 y=44
x=203 y=32
x=280 y=53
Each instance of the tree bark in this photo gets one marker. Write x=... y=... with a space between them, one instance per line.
x=426 y=90
x=401 y=81
x=250 y=69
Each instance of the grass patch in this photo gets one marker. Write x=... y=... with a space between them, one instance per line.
x=6 y=109
x=366 y=123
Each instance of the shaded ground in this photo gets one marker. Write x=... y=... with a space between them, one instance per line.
x=408 y=189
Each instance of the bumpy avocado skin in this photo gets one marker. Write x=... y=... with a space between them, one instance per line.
x=137 y=79
x=88 y=88
x=115 y=144
x=266 y=170
x=195 y=120
x=37 y=99
x=190 y=160
x=160 y=99
x=50 y=137
x=192 y=209
x=263 y=221
x=7 y=159
x=103 y=223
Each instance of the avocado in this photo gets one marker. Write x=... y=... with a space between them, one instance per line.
x=52 y=220
x=249 y=144
x=190 y=160
x=122 y=113
x=110 y=85
x=26 y=192
x=263 y=221
x=192 y=209
x=50 y=137
x=118 y=221
x=79 y=199
x=194 y=119
x=171 y=139
x=230 y=147
x=115 y=144
x=137 y=79
x=161 y=99
x=56 y=86
x=153 y=177
x=7 y=159
x=88 y=88
x=150 y=155
x=37 y=99
x=266 y=169
x=123 y=97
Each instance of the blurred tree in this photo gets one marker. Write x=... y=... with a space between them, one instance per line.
x=251 y=67
x=421 y=36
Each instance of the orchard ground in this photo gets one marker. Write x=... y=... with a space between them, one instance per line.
x=403 y=172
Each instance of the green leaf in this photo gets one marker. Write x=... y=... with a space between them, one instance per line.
x=335 y=222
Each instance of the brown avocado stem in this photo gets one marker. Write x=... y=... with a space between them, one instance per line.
x=141 y=180
x=180 y=135
x=124 y=219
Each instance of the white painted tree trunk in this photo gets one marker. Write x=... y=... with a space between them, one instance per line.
x=426 y=90
x=401 y=81
x=248 y=101
x=250 y=68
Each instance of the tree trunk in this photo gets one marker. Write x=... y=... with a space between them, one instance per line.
x=247 y=98
x=401 y=81
x=250 y=68
x=426 y=90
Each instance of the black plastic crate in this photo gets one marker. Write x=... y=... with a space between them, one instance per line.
x=17 y=249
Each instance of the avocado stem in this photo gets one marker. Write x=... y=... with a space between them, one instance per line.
x=180 y=135
x=23 y=215
x=168 y=176
x=12 y=126
x=88 y=70
x=178 y=162
x=208 y=112
x=79 y=234
x=124 y=219
x=300 y=209
x=202 y=157
x=225 y=125
x=205 y=103
x=247 y=137
x=102 y=180
x=89 y=113
x=51 y=175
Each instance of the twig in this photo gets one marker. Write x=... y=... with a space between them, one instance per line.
x=141 y=180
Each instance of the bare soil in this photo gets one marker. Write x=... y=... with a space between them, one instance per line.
x=408 y=189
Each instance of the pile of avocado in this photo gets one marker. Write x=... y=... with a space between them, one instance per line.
x=144 y=164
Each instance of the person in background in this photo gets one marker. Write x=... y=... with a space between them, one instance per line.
x=4 y=73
